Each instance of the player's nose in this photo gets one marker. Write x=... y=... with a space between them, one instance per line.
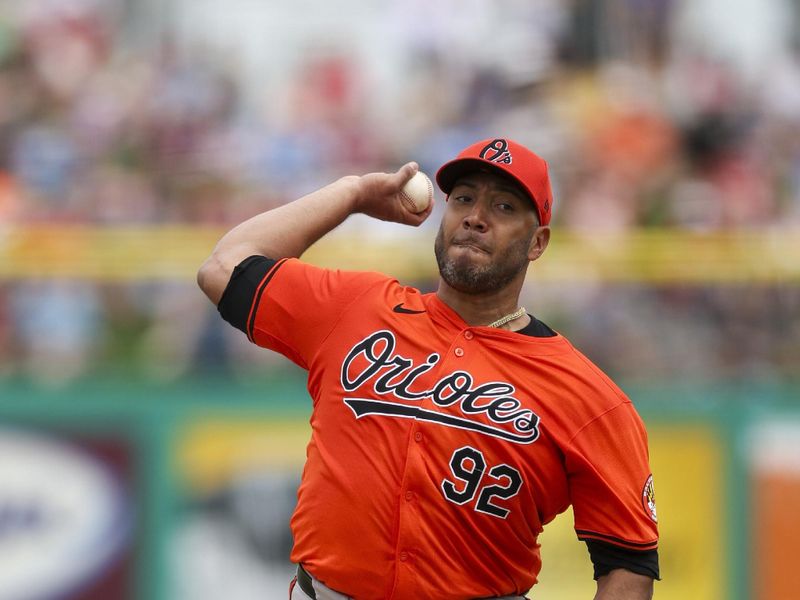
x=476 y=218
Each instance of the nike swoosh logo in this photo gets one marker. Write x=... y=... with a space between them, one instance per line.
x=406 y=311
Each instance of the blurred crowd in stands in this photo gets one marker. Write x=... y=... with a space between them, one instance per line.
x=639 y=134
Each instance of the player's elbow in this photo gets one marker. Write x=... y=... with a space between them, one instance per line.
x=212 y=277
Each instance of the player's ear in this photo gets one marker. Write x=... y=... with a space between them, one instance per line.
x=539 y=241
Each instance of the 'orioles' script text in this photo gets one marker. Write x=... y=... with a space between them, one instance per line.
x=373 y=361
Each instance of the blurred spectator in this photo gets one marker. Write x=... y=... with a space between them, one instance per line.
x=643 y=127
x=7 y=343
x=58 y=329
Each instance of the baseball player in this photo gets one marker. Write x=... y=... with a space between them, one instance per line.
x=448 y=428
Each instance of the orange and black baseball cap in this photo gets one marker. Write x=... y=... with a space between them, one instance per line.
x=506 y=157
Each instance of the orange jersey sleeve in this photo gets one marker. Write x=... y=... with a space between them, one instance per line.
x=610 y=483
x=294 y=318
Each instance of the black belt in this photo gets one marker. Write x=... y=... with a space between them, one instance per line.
x=304 y=581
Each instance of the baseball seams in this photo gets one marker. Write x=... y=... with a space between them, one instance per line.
x=407 y=202
x=417 y=194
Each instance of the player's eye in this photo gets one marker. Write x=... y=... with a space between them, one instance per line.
x=505 y=207
x=462 y=199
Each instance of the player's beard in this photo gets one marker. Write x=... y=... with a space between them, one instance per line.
x=467 y=277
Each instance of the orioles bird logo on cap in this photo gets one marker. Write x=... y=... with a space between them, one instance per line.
x=497 y=151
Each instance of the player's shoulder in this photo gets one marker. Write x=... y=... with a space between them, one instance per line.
x=365 y=289
x=296 y=267
x=587 y=374
x=594 y=400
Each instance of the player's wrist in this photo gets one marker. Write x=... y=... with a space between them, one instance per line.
x=349 y=188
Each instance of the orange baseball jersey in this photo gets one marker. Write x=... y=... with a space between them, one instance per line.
x=439 y=450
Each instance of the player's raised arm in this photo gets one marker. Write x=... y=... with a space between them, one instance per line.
x=289 y=230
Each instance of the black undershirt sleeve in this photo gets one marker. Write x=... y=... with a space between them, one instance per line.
x=237 y=299
x=607 y=557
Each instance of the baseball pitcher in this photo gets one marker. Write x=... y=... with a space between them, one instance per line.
x=448 y=428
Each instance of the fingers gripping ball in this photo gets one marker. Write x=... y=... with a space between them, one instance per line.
x=417 y=193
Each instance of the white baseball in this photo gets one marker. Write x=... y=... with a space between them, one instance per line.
x=417 y=193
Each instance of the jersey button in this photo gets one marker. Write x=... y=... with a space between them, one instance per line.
x=403 y=556
x=418 y=436
x=409 y=496
x=469 y=335
x=459 y=351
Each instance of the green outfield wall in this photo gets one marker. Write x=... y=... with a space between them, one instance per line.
x=186 y=443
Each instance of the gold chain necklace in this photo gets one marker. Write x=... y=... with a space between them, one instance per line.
x=503 y=320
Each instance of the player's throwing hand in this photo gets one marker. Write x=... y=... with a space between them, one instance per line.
x=379 y=196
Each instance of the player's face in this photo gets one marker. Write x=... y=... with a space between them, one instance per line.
x=488 y=235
